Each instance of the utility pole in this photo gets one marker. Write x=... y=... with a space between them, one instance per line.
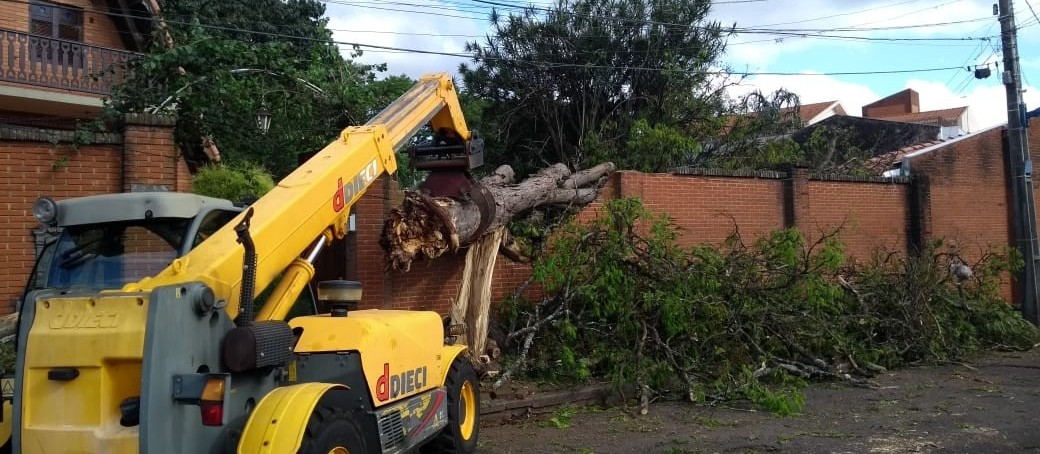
x=1024 y=209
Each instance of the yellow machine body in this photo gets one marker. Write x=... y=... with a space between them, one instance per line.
x=84 y=357
x=103 y=340
x=402 y=352
x=279 y=421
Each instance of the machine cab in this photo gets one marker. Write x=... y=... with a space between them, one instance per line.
x=107 y=241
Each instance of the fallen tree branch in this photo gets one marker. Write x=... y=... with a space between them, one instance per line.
x=426 y=227
x=530 y=332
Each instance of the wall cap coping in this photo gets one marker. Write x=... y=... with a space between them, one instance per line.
x=147 y=119
x=820 y=176
x=31 y=134
x=699 y=171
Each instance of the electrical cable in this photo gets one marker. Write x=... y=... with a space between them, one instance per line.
x=837 y=15
x=543 y=63
x=1032 y=11
x=738 y=30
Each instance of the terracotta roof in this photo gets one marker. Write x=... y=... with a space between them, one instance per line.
x=908 y=93
x=807 y=112
x=944 y=115
x=810 y=111
x=886 y=161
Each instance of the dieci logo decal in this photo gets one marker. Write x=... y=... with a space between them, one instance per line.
x=346 y=192
x=72 y=318
x=390 y=386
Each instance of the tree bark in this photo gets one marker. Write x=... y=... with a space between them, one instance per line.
x=426 y=227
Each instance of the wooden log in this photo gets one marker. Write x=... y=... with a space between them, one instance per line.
x=426 y=227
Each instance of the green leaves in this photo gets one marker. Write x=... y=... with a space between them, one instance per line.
x=600 y=67
x=227 y=59
x=232 y=182
x=753 y=320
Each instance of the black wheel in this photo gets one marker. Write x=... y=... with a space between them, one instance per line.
x=463 y=412
x=331 y=431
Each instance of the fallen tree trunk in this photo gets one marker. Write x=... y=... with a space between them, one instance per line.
x=425 y=227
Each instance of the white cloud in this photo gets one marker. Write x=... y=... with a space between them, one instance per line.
x=870 y=14
x=759 y=51
x=404 y=31
x=437 y=31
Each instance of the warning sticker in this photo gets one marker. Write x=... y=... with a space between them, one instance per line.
x=7 y=388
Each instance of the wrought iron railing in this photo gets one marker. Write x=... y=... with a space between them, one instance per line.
x=58 y=63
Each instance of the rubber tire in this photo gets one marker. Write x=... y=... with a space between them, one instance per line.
x=450 y=440
x=329 y=428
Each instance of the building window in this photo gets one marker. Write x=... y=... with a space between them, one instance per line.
x=54 y=21
x=56 y=26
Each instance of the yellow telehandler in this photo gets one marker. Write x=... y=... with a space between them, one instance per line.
x=143 y=330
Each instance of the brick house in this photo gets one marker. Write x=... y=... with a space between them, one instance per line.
x=57 y=62
x=817 y=112
x=905 y=106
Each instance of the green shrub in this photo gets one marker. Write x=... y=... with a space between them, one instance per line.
x=631 y=305
x=235 y=182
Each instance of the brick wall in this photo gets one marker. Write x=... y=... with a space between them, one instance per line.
x=31 y=170
x=958 y=193
x=151 y=157
x=37 y=163
x=872 y=216
x=906 y=101
x=967 y=190
x=706 y=208
x=962 y=196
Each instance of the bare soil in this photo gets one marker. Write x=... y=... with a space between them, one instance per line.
x=986 y=404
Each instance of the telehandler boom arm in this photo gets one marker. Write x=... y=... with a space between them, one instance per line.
x=313 y=202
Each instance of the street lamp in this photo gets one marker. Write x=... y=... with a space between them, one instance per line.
x=263 y=120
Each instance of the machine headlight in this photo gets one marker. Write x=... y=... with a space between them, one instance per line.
x=45 y=210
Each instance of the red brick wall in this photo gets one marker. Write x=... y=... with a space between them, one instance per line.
x=904 y=102
x=151 y=156
x=32 y=170
x=968 y=192
x=33 y=167
x=872 y=216
x=705 y=208
x=961 y=196
x=708 y=208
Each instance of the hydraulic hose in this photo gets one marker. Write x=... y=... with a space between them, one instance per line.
x=245 y=313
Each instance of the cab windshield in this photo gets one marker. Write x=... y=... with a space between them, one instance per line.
x=108 y=256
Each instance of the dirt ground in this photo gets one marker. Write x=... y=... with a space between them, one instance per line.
x=987 y=404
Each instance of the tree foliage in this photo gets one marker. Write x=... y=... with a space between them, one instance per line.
x=195 y=71
x=581 y=82
x=236 y=183
x=751 y=320
x=753 y=135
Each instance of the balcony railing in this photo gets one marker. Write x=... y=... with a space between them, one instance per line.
x=57 y=63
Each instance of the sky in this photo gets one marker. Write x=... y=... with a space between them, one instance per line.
x=889 y=35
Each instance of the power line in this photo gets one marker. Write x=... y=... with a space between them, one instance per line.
x=358 y=5
x=910 y=13
x=547 y=64
x=804 y=33
x=537 y=63
x=890 y=27
x=1032 y=11
x=982 y=49
x=837 y=15
x=738 y=30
